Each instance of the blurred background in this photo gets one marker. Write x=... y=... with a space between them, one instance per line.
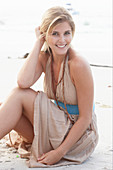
x=93 y=40
x=93 y=37
x=93 y=19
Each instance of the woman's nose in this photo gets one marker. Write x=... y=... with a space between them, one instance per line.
x=61 y=38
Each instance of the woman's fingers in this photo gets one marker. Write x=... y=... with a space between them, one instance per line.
x=40 y=35
x=37 y=31
x=50 y=158
x=42 y=157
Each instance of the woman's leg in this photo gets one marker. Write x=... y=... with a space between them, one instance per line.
x=25 y=128
x=17 y=113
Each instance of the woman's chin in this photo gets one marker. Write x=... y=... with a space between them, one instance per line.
x=61 y=51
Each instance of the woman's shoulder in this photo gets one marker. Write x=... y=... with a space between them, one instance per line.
x=76 y=61
x=43 y=57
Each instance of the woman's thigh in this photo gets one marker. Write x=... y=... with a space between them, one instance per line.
x=19 y=102
x=27 y=99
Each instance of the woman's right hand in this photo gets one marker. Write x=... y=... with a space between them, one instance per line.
x=39 y=35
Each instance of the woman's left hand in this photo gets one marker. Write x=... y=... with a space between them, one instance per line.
x=50 y=158
x=39 y=35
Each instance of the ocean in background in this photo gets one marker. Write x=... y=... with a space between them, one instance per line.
x=93 y=19
x=93 y=40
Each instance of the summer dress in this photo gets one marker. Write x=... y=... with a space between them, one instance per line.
x=51 y=124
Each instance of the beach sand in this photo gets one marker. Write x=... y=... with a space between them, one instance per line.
x=101 y=159
x=92 y=39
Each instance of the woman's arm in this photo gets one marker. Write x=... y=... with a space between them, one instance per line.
x=32 y=68
x=81 y=76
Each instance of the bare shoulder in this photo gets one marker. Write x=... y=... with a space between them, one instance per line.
x=78 y=65
x=76 y=61
x=43 y=57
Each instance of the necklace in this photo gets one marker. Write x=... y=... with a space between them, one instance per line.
x=54 y=90
x=52 y=72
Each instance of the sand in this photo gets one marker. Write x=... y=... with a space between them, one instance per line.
x=92 y=39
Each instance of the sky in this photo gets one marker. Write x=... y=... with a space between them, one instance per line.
x=18 y=19
x=92 y=7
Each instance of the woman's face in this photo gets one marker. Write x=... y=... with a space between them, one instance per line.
x=59 y=38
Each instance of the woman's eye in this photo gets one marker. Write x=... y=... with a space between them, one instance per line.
x=54 y=33
x=67 y=32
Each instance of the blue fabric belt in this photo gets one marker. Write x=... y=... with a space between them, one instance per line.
x=72 y=109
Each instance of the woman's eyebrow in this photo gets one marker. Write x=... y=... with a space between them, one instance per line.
x=54 y=31
x=64 y=31
x=68 y=31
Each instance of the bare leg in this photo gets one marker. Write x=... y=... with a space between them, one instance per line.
x=25 y=128
x=17 y=113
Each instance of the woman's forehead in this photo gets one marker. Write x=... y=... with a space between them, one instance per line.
x=63 y=25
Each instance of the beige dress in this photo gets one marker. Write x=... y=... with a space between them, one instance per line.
x=51 y=124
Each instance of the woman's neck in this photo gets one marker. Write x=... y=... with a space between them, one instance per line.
x=58 y=59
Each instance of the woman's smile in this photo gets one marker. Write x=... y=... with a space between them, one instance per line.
x=61 y=46
x=59 y=38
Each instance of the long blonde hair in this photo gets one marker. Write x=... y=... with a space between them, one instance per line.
x=51 y=18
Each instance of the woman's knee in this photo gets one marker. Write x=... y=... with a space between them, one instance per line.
x=17 y=91
x=25 y=96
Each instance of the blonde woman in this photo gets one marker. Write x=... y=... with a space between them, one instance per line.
x=64 y=131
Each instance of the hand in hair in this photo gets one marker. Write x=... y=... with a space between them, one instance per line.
x=39 y=35
x=50 y=158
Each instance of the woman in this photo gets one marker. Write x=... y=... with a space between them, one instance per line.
x=63 y=132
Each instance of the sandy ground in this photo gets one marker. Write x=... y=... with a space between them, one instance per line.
x=93 y=40
x=101 y=159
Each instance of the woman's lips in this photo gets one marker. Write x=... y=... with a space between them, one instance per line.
x=61 y=46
